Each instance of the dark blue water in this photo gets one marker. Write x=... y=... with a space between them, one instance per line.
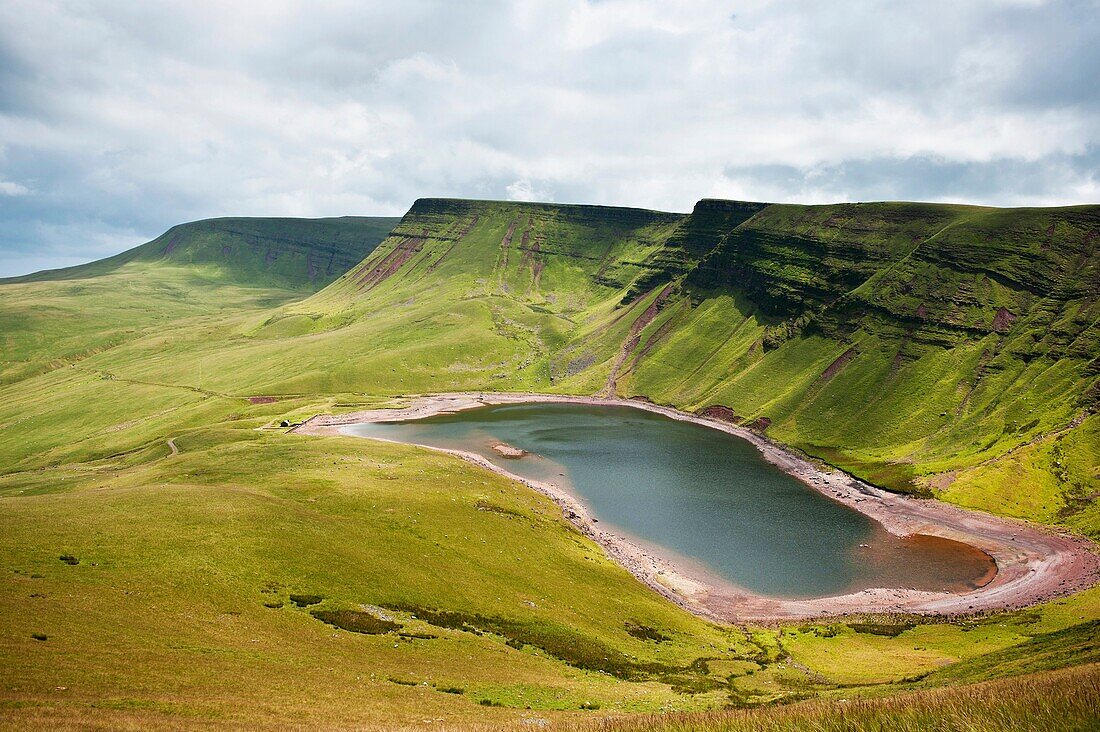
x=705 y=494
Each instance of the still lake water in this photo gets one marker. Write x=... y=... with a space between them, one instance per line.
x=704 y=494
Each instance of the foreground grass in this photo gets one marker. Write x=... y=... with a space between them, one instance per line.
x=1062 y=701
x=1059 y=701
x=205 y=582
x=257 y=579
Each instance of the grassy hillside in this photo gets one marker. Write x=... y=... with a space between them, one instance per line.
x=898 y=341
x=204 y=268
x=156 y=530
x=924 y=347
x=916 y=345
x=901 y=341
x=289 y=253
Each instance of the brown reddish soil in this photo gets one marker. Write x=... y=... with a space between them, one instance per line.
x=171 y=245
x=1003 y=320
x=526 y=234
x=658 y=336
x=505 y=243
x=840 y=362
x=531 y=246
x=635 y=335
x=721 y=413
x=401 y=253
x=262 y=400
x=760 y=424
x=1034 y=563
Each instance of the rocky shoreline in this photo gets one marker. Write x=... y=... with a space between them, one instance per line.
x=1033 y=563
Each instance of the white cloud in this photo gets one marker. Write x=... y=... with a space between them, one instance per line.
x=523 y=190
x=134 y=116
x=10 y=188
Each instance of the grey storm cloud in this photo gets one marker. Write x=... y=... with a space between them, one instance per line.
x=119 y=119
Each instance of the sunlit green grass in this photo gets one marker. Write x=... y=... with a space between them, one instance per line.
x=179 y=611
x=180 y=558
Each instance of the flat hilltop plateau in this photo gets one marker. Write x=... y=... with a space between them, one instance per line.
x=174 y=555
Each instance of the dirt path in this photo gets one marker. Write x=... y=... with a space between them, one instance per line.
x=1033 y=563
x=172 y=447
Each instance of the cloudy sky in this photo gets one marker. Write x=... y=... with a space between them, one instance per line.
x=119 y=119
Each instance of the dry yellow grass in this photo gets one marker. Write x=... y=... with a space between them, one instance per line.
x=1067 y=700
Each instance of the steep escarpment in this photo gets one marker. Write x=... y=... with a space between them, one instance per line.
x=924 y=347
x=697 y=236
x=901 y=341
x=794 y=259
x=905 y=342
x=524 y=251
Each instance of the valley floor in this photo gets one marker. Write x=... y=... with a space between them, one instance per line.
x=1034 y=563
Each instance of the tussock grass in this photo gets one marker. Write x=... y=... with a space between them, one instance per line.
x=645 y=632
x=450 y=689
x=576 y=649
x=887 y=629
x=356 y=621
x=1061 y=701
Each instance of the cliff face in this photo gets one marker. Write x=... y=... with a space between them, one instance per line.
x=533 y=251
x=696 y=237
x=795 y=259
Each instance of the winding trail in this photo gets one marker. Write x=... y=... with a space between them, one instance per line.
x=172 y=447
x=1034 y=563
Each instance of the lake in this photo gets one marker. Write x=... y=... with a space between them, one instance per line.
x=703 y=494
